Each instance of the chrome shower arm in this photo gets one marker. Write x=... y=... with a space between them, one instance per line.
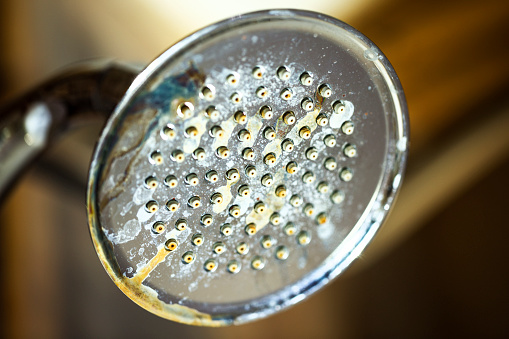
x=77 y=96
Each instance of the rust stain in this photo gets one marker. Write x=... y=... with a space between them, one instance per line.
x=259 y=219
x=227 y=195
x=145 y=296
x=145 y=271
x=192 y=74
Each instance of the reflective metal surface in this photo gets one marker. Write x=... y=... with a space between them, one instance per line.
x=150 y=197
x=28 y=125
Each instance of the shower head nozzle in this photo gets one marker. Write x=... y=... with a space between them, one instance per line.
x=247 y=166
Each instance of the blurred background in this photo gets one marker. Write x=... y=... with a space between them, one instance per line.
x=438 y=267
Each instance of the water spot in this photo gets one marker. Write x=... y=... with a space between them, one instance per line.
x=370 y=54
x=193 y=286
x=326 y=231
x=142 y=195
x=143 y=215
x=397 y=181
x=302 y=262
x=336 y=120
x=402 y=144
x=127 y=233
x=127 y=208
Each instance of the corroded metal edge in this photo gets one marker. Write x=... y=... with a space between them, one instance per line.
x=134 y=288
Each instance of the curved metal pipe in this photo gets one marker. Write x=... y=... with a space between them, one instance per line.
x=31 y=123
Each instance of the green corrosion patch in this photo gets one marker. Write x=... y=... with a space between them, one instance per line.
x=161 y=91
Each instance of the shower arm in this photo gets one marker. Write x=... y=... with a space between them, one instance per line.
x=86 y=92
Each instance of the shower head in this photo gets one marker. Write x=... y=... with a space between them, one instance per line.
x=243 y=169
x=247 y=166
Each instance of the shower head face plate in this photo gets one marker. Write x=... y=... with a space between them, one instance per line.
x=247 y=166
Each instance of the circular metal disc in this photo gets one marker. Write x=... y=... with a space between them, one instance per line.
x=247 y=166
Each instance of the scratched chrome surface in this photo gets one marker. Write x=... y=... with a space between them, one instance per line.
x=160 y=280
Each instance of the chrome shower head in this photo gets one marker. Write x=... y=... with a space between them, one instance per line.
x=247 y=166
